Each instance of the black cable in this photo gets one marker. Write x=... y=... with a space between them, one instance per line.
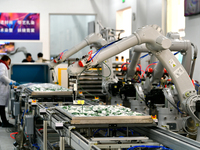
x=141 y=98
x=172 y=104
x=109 y=70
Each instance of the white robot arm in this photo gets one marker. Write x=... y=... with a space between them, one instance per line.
x=183 y=46
x=19 y=49
x=151 y=35
x=159 y=46
x=95 y=39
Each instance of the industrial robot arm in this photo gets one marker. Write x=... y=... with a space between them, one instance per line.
x=19 y=49
x=183 y=46
x=159 y=46
x=151 y=35
x=95 y=39
x=186 y=91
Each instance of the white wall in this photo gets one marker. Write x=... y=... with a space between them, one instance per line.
x=141 y=16
x=46 y=7
x=67 y=31
x=192 y=33
x=154 y=12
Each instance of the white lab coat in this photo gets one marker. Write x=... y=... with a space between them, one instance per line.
x=4 y=85
x=40 y=60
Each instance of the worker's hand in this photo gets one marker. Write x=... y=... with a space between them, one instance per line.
x=12 y=83
x=16 y=84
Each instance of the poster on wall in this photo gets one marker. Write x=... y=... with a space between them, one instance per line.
x=192 y=7
x=19 y=26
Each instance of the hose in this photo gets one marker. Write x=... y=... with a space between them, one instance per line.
x=148 y=146
x=154 y=63
x=12 y=134
x=109 y=70
x=36 y=145
x=174 y=105
x=178 y=107
x=197 y=85
x=23 y=116
x=144 y=56
x=124 y=64
x=103 y=48
x=139 y=65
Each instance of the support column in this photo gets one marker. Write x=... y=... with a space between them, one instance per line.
x=62 y=143
x=45 y=134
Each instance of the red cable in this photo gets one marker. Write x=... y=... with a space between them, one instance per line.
x=169 y=79
x=124 y=64
x=143 y=73
x=150 y=65
x=40 y=129
x=12 y=134
x=193 y=82
x=140 y=67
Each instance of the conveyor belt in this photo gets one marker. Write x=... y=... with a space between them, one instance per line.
x=76 y=143
x=90 y=82
x=178 y=136
x=47 y=93
x=169 y=138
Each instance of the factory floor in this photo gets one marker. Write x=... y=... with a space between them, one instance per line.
x=6 y=142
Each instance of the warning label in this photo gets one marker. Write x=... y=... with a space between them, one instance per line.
x=172 y=63
x=178 y=72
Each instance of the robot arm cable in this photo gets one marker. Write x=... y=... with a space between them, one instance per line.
x=109 y=71
x=178 y=107
x=103 y=48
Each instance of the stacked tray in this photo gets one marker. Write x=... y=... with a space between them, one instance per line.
x=103 y=114
x=46 y=89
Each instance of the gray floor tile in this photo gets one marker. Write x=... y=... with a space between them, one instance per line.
x=6 y=142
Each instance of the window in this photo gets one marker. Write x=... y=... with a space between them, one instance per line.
x=175 y=17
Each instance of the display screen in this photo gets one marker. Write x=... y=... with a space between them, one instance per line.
x=6 y=47
x=19 y=26
x=192 y=7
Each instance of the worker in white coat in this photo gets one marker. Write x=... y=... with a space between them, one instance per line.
x=5 y=82
x=40 y=58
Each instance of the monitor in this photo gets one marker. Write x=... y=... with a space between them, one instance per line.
x=6 y=47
